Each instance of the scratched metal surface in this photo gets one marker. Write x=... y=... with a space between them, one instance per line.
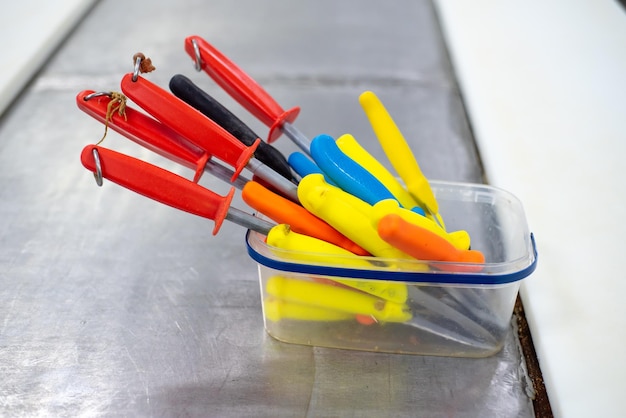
x=111 y=304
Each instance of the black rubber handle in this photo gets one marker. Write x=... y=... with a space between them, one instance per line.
x=186 y=90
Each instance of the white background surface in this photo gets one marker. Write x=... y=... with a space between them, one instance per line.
x=30 y=30
x=545 y=86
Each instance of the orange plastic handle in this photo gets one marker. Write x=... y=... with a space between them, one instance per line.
x=423 y=244
x=243 y=88
x=158 y=184
x=300 y=220
x=188 y=122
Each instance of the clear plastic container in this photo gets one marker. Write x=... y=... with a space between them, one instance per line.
x=406 y=306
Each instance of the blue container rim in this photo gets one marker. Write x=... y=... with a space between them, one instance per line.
x=404 y=276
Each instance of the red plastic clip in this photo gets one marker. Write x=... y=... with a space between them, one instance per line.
x=240 y=86
x=188 y=122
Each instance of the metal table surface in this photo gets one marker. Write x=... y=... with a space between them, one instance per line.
x=111 y=304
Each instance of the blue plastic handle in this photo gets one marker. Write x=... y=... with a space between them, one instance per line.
x=303 y=166
x=418 y=210
x=346 y=173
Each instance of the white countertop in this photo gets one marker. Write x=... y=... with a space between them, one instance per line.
x=545 y=87
x=31 y=30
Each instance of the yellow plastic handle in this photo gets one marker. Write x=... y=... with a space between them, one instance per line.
x=278 y=309
x=459 y=239
x=312 y=181
x=336 y=298
x=398 y=151
x=305 y=248
x=283 y=210
x=310 y=249
x=346 y=213
x=349 y=145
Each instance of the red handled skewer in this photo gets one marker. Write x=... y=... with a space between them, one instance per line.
x=153 y=135
x=201 y=131
x=245 y=90
x=183 y=88
x=167 y=188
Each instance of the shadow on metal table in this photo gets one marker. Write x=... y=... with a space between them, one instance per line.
x=111 y=304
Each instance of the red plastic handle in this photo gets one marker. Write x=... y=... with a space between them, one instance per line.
x=158 y=184
x=241 y=86
x=146 y=131
x=188 y=122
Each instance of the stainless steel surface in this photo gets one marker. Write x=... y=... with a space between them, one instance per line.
x=111 y=304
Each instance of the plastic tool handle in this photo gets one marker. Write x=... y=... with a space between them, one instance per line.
x=310 y=249
x=186 y=90
x=349 y=145
x=426 y=245
x=346 y=214
x=345 y=172
x=284 y=211
x=145 y=131
x=304 y=166
x=317 y=181
x=240 y=86
x=304 y=247
x=398 y=151
x=276 y=310
x=158 y=184
x=153 y=135
x=188 y=122
x=336 y=298
x=459 y=239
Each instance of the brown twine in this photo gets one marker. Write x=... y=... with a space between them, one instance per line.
x=145 y=64
x=118 y=100
x=117 y=104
